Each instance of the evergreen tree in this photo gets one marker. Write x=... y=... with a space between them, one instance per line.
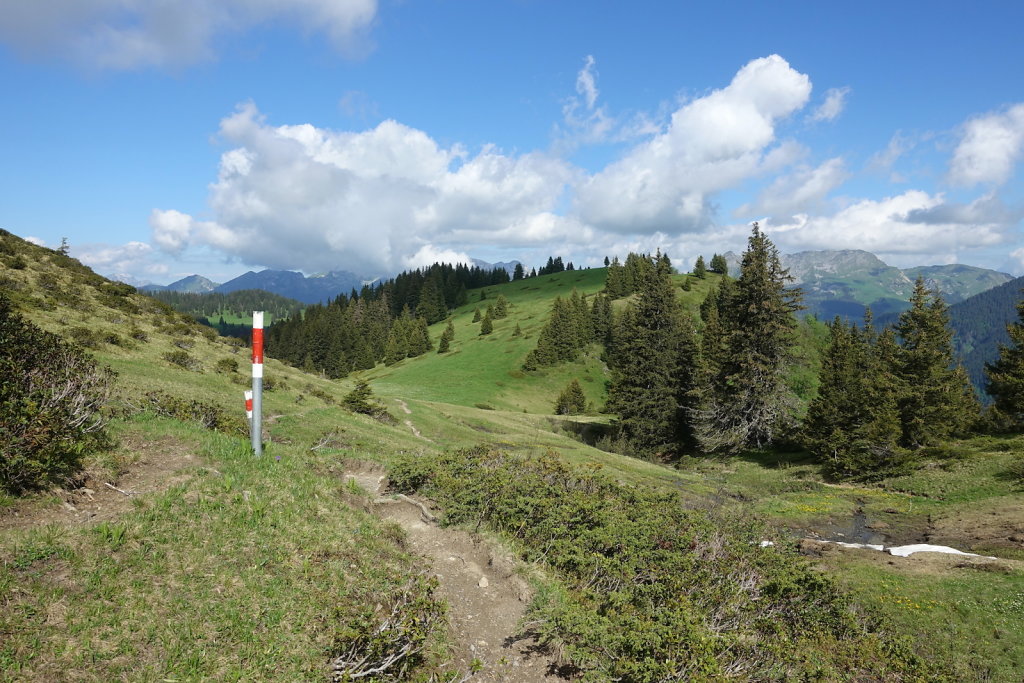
x=614 y=283
x=517 y=274
x=690 y=375
x=533 y=272
x=359 y=400
x=719 y=265
x=1006 y=375
x=853 y=424
x=446 y=338
x=699 y=270
x=936 y=398
x=601 y=318
x=749 y=401
x=560 y=339
x=500 y=309
x=418 y=337
x=398 y=343
x=476 y=314
x=486 y=326
x=644 y=386
x=518 y=332
x=606 y=261
x=572 y=400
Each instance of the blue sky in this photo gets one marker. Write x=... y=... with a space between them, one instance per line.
x=165 y=138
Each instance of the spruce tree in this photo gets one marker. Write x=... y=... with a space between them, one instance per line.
x=1006 y=375
x=418 y=337
x=749 y=402
x=500 y=308
x=572 y=400
x=476 y=314
x=614 y=283
x=518 y=274
x=518 y=332
x=719 y=265
x=446 y=338
x=644 y=389
x=853 y=424
x=398 y=343
x=486 y=326
x=699 y=270
x=937 y=399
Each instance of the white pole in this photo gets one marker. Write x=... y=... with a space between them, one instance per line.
x=256 y=430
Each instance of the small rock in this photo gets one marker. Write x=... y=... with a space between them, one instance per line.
x=891 y=511
x=877 y=525
x=1017 y=538
x=483 y=583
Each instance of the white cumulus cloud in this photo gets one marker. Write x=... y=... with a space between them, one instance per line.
x=312 y=199
x=914 y=222
x=991 y=146
x=133 y=34
x=711 y=144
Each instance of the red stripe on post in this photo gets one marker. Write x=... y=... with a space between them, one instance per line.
x=257 y=345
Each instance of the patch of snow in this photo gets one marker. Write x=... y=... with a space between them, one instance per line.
x=907 y=550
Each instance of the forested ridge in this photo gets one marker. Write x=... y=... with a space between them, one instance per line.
x=382 y=323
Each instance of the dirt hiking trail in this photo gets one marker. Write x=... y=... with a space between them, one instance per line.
x=160 y=464
x=408 y=423
x=486 y=598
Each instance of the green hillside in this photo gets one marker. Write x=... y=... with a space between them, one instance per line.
x=176 y=555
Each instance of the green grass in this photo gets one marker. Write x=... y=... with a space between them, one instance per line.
x=968 y=620
x=205 y=581
x=247 y=569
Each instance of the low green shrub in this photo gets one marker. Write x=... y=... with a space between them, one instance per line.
x=226 y=366
x=183 y=360
x=84 y=336
x=652 y=591
x=50 y=398
x=208 y=415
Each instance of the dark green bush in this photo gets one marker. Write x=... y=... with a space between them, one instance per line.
x=84 y=336
x=226 y=366
x=208 y=415
x=652 y=591
x=50 y=398
x=183 y=360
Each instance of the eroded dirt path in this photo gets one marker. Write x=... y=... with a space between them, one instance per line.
x=160 y=464
x=408 y=423
x=486 y=598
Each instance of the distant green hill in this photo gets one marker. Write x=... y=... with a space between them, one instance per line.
x=979 y=326
x=228 y=311
x=196 y=284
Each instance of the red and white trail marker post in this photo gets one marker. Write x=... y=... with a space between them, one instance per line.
x=255 y=425
x=248 y=407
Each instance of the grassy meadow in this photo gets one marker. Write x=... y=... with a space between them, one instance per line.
x=228 y=567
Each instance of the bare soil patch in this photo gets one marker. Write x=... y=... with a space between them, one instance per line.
x=158 y=465
x=487 y=598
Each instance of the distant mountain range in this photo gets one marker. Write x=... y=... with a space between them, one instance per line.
x=844 y=282
x=294 y=285
x=287 y=283
x=193 y=284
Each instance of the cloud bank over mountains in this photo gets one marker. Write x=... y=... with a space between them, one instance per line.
x=391 y=197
